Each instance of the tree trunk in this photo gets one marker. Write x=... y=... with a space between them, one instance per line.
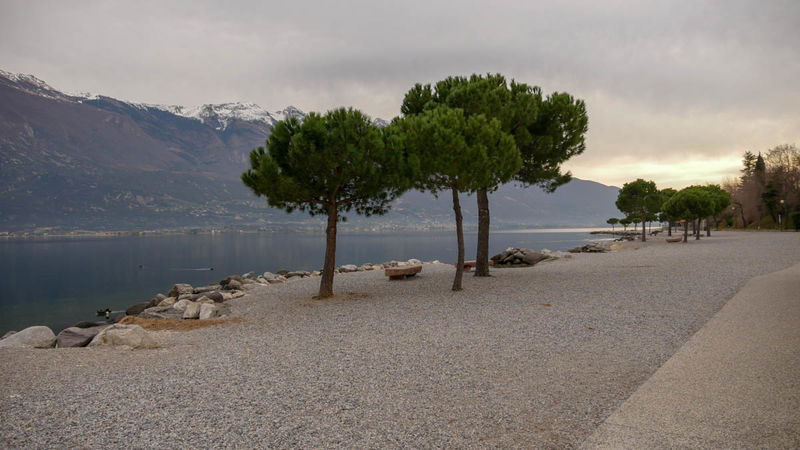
x=697 y=230
x=482 y=256
x=460 y=235
x=669 y=227
x=686 y=231
x=644 y=229
x=708 y=228
x=326 y=282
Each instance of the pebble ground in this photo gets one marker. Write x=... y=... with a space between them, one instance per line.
x=535 y=357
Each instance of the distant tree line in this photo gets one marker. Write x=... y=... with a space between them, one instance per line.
x=768 y=190
x=644 y=203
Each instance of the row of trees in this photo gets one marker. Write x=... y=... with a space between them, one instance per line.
x=643 y=202
x=461 y=135
x=768 y=188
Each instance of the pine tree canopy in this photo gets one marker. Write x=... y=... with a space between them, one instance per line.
x=547 y=131
x=639 y=197
x=339 y=158
x=454 y=150
x=690 y=203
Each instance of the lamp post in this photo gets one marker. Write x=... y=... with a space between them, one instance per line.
x=780 y=218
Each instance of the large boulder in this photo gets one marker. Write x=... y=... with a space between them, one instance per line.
x=180 y=289
x=76 y=337
x=132 y=336
x=169 y=301
x=298 y=273
x=156 y=300
x=216 y=296
x=192 y=310
x=233 y=285
x=519 y=256
x=530 y=257
x=209 y=288
x=208 y=311
x=277 y=279
x=181 y=305
x=348 y=268
x=161 y=312
x=8 y=334
x=31 y=337
x=137 y=309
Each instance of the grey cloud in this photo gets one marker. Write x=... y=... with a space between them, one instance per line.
x=657 y=69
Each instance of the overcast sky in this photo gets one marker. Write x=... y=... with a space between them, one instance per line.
x=676 y=91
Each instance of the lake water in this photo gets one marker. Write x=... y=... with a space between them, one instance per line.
x=60 y=282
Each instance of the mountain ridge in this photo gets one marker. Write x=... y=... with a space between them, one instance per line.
x=95 y=162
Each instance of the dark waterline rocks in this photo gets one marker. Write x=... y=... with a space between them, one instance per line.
x=76 y=337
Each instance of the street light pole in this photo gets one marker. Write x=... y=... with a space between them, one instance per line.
x=780 y=218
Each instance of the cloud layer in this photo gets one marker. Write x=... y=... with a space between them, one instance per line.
x=676 y=91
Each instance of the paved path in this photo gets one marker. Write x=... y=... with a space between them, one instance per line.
x=735 y=383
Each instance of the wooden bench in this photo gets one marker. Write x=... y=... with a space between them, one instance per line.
x=401 y=272
x=469 y=265
x=675 y=239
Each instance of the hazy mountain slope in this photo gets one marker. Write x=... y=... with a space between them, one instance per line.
x=95 y=162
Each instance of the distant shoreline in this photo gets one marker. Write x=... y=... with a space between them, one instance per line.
x=44 y=235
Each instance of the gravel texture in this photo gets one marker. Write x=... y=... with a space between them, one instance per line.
x=531 y=357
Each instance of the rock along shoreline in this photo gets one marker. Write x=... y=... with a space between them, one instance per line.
x=209 y=302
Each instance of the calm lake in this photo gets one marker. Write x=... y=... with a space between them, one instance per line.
x=60 y=282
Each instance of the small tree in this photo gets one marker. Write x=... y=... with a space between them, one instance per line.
x=636 y=221
x=639 y=197
x=625 y=222
x=612 y=221
x=666 y=194
x=327 y=165
x=690 y=203
x=459 y=154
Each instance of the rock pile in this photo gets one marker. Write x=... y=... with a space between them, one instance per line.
x=594 y=247
x=514 y=257
x=183 y=301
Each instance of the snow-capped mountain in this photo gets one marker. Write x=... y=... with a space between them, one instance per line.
x=95 y=162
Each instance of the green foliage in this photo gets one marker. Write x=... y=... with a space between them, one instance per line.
x=339 y=159
x=690 y=203
x=770 y=199
x=556 y=136
x=456 y=151
x=639 y=198
x=721 y=198
x=547 y=132
x=612 y=221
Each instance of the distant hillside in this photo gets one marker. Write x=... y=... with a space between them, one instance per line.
x=94 y=162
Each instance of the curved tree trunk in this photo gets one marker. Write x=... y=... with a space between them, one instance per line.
x=482 y=256
x=686 y=231
x=460 y=235
x=326 y=282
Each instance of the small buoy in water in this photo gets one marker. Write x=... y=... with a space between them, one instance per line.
x=140 y=266
x=211 y=268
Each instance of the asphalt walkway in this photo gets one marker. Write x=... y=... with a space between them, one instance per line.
x=734 y=384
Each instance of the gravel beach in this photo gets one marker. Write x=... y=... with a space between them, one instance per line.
x=531 y=357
